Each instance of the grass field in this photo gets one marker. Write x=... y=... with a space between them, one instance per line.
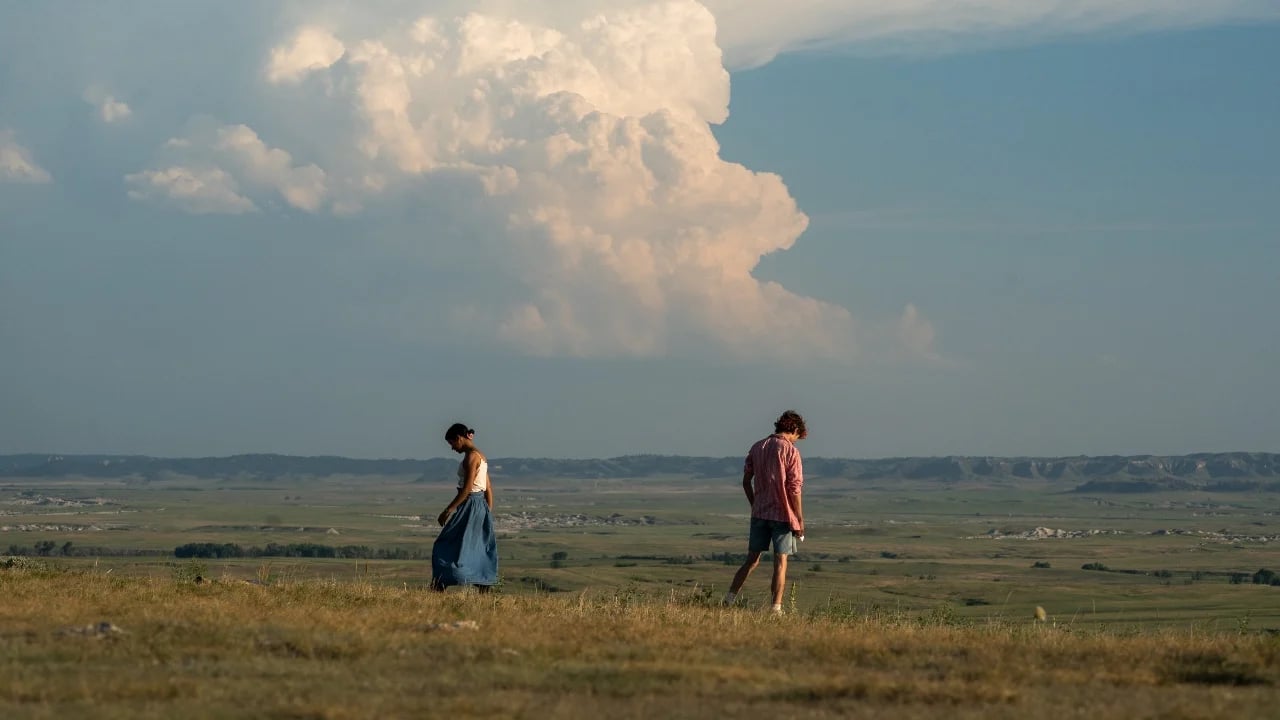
x=906 y=600
x=909 y=547
x=355 y=649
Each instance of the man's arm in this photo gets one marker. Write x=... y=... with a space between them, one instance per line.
x=794 y=484
x=797 y=509
x=748 y=488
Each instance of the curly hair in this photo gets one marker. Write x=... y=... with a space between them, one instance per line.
x=791 y=422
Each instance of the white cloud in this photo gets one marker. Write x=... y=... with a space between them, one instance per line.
x=110 y=110
x=302 y=187
x=17 y=164
x=753 y=32
x=915 y=334
x=623 y=231
x=312 y=48
x=218 y=169
x=195 y=190
x=585 y=126
x=569 y=145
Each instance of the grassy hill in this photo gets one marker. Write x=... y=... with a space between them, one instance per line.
x=354 y=649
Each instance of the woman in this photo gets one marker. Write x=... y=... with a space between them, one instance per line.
x=466 y=552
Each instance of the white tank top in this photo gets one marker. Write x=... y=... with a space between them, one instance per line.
x=482 y=476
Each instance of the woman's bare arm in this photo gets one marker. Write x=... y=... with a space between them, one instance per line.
x=472 y=464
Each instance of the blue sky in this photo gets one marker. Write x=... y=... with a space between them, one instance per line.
x=1043 y=244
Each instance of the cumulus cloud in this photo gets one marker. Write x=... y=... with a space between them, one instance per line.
x=568 y=145
x=312 y=48
x=623 y=232
x=218 y=170
x=195 y=190
x=110 y=110
x=16 y=162
x=302 y=187
x=753 y=32
x=574 y=141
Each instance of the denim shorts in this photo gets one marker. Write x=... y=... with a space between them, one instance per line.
x=775 y=533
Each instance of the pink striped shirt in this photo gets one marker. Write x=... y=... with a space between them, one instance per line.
x=775 y=465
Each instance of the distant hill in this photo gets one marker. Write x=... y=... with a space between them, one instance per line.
x=1221 y=472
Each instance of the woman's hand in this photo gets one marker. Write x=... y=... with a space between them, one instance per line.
x=444 y=516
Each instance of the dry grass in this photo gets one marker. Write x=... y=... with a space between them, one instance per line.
x=354 y=650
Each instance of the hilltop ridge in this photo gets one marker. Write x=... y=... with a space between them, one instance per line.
x=1230 y=471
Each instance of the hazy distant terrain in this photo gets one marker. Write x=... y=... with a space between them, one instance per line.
x=1102 y=541
x=1223 y=472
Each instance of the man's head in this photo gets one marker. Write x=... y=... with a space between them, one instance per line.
x=791 y=422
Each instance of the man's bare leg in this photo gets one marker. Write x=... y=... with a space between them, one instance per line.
x=740 y=578
x=779 y=579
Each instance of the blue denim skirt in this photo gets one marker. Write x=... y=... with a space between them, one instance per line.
x=466 y=551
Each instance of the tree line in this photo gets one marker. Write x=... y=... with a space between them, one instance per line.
x=218 y=551
x=51 y=548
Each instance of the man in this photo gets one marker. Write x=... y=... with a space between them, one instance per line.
x=772 y=478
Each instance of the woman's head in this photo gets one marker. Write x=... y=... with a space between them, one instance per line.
x=791 y=422
x=458 y=436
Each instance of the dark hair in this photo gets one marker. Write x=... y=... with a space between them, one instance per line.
x=457 y=430
x=791 y=422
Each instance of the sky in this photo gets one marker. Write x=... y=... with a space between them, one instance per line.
x=591 y=228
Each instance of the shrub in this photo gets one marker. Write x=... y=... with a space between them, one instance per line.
x=208 y=550
x=22 y=563
x=1095 y=566
x=1041 y=564
x=538 y=584
x=189 y=571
